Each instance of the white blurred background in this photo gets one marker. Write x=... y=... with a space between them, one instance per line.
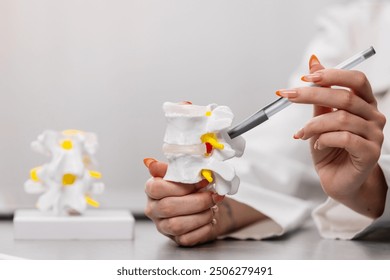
x=106 y=66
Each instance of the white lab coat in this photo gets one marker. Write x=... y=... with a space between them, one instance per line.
x=278 y=177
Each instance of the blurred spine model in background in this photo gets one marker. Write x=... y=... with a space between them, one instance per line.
x=196 y=145
x=68 y=181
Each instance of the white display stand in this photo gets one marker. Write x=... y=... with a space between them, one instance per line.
x=94 y=224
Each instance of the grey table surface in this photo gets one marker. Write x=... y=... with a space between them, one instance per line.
x=148 y=244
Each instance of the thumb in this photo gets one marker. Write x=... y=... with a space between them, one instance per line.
x=156 y=168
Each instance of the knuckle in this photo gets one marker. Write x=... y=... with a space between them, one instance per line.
x=381 y=119
x=381 y=138
x=375 y=152
x=153 y=191
x=377 y=135
x=174 y=226
x=160 y=228
x=346 y=138
x=384 y=119
x=148 y=186
x=343 y=118
x=360 y=79
x=184 y=240
x=148 y=211
x=348 y=98
x=165 y=208
x=152 y=188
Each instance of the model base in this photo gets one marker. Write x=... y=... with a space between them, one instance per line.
x=96 y=224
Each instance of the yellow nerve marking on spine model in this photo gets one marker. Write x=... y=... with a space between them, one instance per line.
x=207 y=174
x=34 y=174
x=68 y=179
x=208 y=114
x=212 y=139
x=67 y=144
x=95 y=174
x=91 y=201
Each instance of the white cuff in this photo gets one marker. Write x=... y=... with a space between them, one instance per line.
x=261 y=230
x=336 y=221
x=286 y=213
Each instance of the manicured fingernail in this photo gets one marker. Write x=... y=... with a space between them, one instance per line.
x=313 y=61
x=315 y=77
x=217 y=198
x=149 y=161
x=299 y=134
x=214 y=208
x=287 y=93
x=214 y=222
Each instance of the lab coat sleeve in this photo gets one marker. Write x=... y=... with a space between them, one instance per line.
x=336 y=221
x=285 y=213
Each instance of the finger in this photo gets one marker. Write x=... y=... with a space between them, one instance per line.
x=332 y=98
x=180 y=206
x=156 y=223
x=314 y=66
x=360 y=149
x=156 y=168
x=183 y=224
x=158 y=188
x=198 y=236
x=339 y=120
x=354 y=80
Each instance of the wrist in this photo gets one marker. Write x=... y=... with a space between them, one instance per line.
x=235 y=215
x=373 y=193
x=226 y=219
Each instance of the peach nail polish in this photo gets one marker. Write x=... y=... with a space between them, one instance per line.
x=311 y=78
x=313 y=61
x=149 y=161
x=217 y=198
x=299 y=134
x=287 y=93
